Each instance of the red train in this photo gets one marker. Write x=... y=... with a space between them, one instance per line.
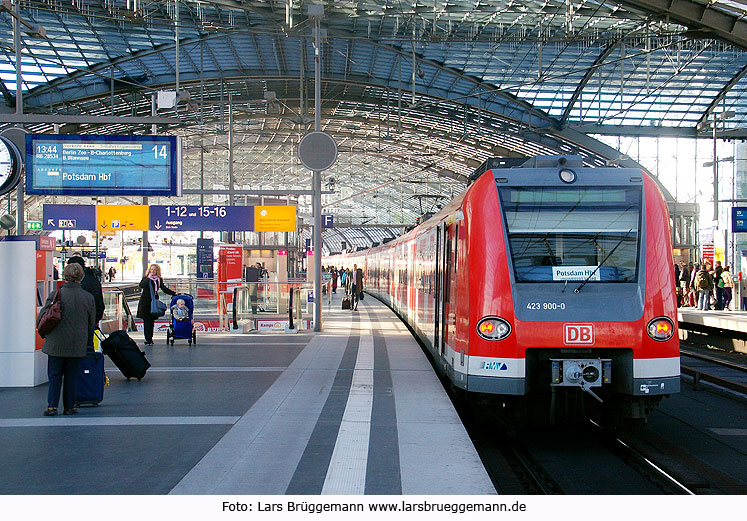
x=546 y=284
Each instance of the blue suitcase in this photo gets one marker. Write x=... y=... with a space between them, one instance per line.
x=91 y=380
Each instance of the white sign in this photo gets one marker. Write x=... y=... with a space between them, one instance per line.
x=574 y=272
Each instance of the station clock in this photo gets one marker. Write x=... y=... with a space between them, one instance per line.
x=10 y=165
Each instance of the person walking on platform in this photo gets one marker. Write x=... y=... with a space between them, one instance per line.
x=693 y=290
x=704 y=286
x=92 y=285
x=718 y=285
x=356 y=286
x=728 y=282
x=684 y=283
x=65 y=346
x=334 y=280
x=152 y=280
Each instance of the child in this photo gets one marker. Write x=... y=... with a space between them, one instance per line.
x=180 y=311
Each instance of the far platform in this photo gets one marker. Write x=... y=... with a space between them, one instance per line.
x=727 y=329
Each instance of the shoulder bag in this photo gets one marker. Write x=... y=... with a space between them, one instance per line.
x=51 y=316
x=157 y=308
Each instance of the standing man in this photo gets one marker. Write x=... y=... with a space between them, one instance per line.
x=356 y=286
x=92 y=284
x=684 y=281
x=718 y=285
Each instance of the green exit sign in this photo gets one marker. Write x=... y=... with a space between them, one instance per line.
x=33 y=225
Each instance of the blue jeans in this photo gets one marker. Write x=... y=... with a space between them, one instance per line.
x=59 y=367
x=704 y=299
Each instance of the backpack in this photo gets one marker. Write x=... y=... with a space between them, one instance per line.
x=701 y=281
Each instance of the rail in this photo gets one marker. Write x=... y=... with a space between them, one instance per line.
x=699 y=375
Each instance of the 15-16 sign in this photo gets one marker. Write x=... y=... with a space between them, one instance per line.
x=202 y=218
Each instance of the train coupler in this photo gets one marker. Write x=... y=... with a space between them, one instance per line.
x=583 y=373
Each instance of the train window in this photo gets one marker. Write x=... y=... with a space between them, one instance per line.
x=559 y=234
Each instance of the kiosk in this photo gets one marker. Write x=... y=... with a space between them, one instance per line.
x=26 y=280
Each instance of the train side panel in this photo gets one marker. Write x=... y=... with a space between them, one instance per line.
x=493 y=366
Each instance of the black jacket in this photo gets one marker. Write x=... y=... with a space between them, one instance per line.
x=143 y=307
x=91 y=284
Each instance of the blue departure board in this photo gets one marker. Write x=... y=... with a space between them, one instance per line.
x=103 y=165
x=738 y=219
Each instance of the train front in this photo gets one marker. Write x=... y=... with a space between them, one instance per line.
x=578 y=305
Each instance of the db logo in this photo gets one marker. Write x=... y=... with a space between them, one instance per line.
x=578 y=334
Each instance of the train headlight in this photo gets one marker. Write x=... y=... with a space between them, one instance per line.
x=660 y=329
x=567 y=176
x=493 y=328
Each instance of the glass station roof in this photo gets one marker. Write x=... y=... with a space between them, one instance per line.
x=417 y=93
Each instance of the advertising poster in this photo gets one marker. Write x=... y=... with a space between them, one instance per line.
x=229 y=269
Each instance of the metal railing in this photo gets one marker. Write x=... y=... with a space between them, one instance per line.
x=117 y=314
x=225 y=302
x=281 y=302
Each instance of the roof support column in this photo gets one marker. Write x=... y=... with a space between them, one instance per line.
x=317 y=179
x=230 y=150
x=19 y=108
x=145 y=246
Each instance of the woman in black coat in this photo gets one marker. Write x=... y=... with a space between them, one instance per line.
x=152 y=280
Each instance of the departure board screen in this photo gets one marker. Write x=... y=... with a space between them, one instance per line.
x=103 y=165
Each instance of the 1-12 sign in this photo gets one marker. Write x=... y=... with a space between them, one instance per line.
x=202 y=218
x=202 y=211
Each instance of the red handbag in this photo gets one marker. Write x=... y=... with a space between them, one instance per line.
x=51 y=316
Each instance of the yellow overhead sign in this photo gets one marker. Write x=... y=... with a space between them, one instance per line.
x=274 y=218
x=122 y=217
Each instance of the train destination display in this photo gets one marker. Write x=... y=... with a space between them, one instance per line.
x=103 y=165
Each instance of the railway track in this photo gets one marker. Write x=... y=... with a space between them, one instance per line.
x=585 y=460
x=703 y=367
x=578 y=459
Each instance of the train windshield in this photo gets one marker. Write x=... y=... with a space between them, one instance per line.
x=571 y=234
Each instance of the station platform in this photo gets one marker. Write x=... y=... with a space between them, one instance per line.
x=355 y=409
x=726 y=320
x=725 y=329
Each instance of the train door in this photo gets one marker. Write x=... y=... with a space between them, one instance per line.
x=437 y=294
x=444 y=263
x=448 y=310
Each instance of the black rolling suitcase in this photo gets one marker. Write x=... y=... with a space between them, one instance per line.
x=91 y=380
x=126 y=355
x=345 y=303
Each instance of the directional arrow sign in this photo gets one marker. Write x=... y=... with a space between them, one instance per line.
x=122 y=217
x=69 y=217
x=202 y=218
